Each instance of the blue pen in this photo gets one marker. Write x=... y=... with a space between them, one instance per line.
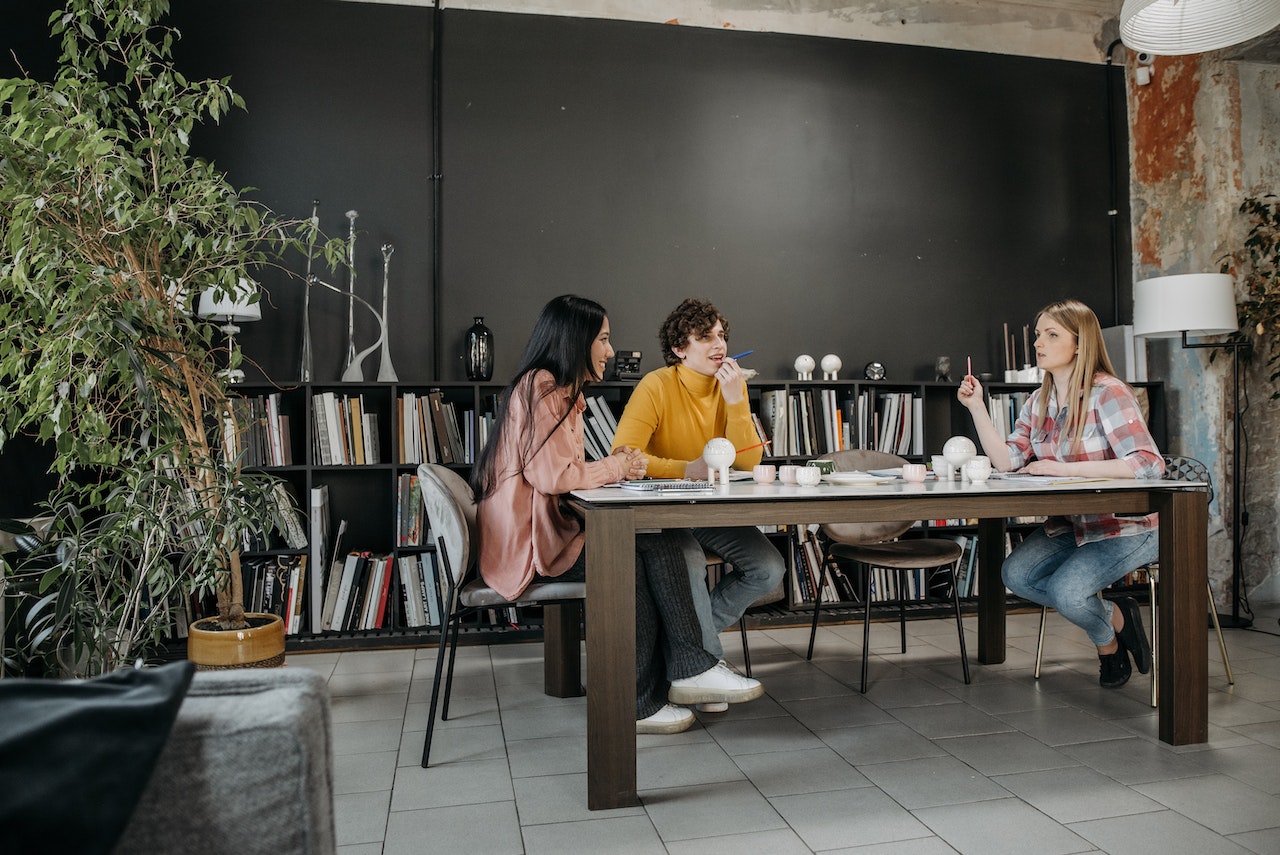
x=744 y=353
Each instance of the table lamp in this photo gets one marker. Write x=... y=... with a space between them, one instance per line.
x=1178 y=27
x=1201 y=304
x=231 y=307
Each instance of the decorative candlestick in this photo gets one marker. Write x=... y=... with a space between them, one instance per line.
x=385 y=370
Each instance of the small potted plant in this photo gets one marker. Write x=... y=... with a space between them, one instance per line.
x=109 y=228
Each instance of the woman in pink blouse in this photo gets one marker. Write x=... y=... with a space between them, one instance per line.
x=1082 y=421
x=534 y=455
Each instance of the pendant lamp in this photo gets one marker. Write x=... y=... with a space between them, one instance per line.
x=1177 y=27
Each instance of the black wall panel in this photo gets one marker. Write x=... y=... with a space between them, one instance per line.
x=877 y=201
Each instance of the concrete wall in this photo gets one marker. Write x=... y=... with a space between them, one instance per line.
x=1204 y=135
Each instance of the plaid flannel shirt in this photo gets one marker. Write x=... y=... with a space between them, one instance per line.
x=1114 y=429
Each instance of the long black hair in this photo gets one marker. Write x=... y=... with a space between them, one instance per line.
x=560 y=344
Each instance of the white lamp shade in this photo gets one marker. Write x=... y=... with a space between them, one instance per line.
x=1177 y=27
x=1195 y=303
x=238 y=306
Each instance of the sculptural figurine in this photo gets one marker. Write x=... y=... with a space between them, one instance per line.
x=804 y=366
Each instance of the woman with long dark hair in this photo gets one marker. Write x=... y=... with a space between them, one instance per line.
x=533 y=457
x=1082 y=421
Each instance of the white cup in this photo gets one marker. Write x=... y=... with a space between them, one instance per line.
x=808 y=476
x=978 y=469
x=942 y=468
x=913 y=472
x=787 y=473
x=764 y=473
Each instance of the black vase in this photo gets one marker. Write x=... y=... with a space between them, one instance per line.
x=479 y=351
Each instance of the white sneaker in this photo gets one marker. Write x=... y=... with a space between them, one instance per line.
x=717 y=684
x=669 y=719
x=714 y=707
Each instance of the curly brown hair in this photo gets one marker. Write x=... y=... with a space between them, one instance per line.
x=693 y=317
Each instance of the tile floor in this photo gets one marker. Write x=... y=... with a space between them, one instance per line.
x=920 y=764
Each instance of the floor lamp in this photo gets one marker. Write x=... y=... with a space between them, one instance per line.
x=1201 y=304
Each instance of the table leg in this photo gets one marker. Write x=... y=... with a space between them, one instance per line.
x=611 y=659
x=1182 y=625
x=991 y=596
x=561 y=660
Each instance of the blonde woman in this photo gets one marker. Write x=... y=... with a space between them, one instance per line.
x=1082 y=421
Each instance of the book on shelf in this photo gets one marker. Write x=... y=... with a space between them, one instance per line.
x=287 y=516
x=439 y=419
x=355 y=413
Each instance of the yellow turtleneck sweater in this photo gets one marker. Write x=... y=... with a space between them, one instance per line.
x=674 y=411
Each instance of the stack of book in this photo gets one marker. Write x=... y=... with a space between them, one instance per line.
x=345 y=432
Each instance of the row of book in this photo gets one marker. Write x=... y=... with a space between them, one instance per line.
x=368 y=591
x=430 y=431
x=345 y=431
x=809 y=422
x=257 y=434
x=276 y=585
x=598 y=428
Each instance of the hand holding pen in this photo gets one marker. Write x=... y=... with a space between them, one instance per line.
x=732 y=383
x=970 y=391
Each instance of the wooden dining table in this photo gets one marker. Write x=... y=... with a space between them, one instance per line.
x=615 y=515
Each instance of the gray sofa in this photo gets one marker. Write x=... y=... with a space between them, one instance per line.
x=247 y=769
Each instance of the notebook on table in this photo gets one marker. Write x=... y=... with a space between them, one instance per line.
x=663 y=485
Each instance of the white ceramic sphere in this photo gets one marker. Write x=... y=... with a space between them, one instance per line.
x=959 y=450
x=719 y=453
x=805 y=364
x=831 y=363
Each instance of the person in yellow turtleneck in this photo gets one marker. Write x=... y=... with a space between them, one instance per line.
x=699 y=395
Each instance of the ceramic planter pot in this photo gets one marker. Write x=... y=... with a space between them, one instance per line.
x=261 y=645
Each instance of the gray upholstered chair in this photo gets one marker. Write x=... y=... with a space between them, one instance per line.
x=1176 y=468
x=451 y=514
x=860 y=546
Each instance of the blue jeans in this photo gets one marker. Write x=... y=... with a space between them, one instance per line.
x=1054 y=572
x=757 y=565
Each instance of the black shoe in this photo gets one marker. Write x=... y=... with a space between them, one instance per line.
x=1114 y=668
x=1133 y=636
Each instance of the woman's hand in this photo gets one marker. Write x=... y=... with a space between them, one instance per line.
x=1047 y=467
x=970 y=392
x=634 y=463
x=730 y=377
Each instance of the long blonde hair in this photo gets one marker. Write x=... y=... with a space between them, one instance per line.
x=1091 y=357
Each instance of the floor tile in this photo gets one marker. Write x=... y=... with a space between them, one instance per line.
x=1001 y=827
x=451 y=784
x=1166 y=832
x=709 y=810
x=626 y=835
x=559 y=798
x=1076 y=794
x=1217 y=802
x=781 y=841
x=360 y=817
x=944 y=720
x=490 y=828
x=844 y=818
x=1005 y=753
x=785 y=773
x=931 y=781
x=364 y=773
x=667 y=766
x=757 y=735
x=879 y=743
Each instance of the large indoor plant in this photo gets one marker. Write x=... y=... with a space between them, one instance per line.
x=1256 y=266
x=110 y=228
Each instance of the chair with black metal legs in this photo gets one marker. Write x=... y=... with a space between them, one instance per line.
x=1176 y=468
x=451 y=514
x=861 y=546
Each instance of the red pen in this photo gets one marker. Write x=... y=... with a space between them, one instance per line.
x=968 y=361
